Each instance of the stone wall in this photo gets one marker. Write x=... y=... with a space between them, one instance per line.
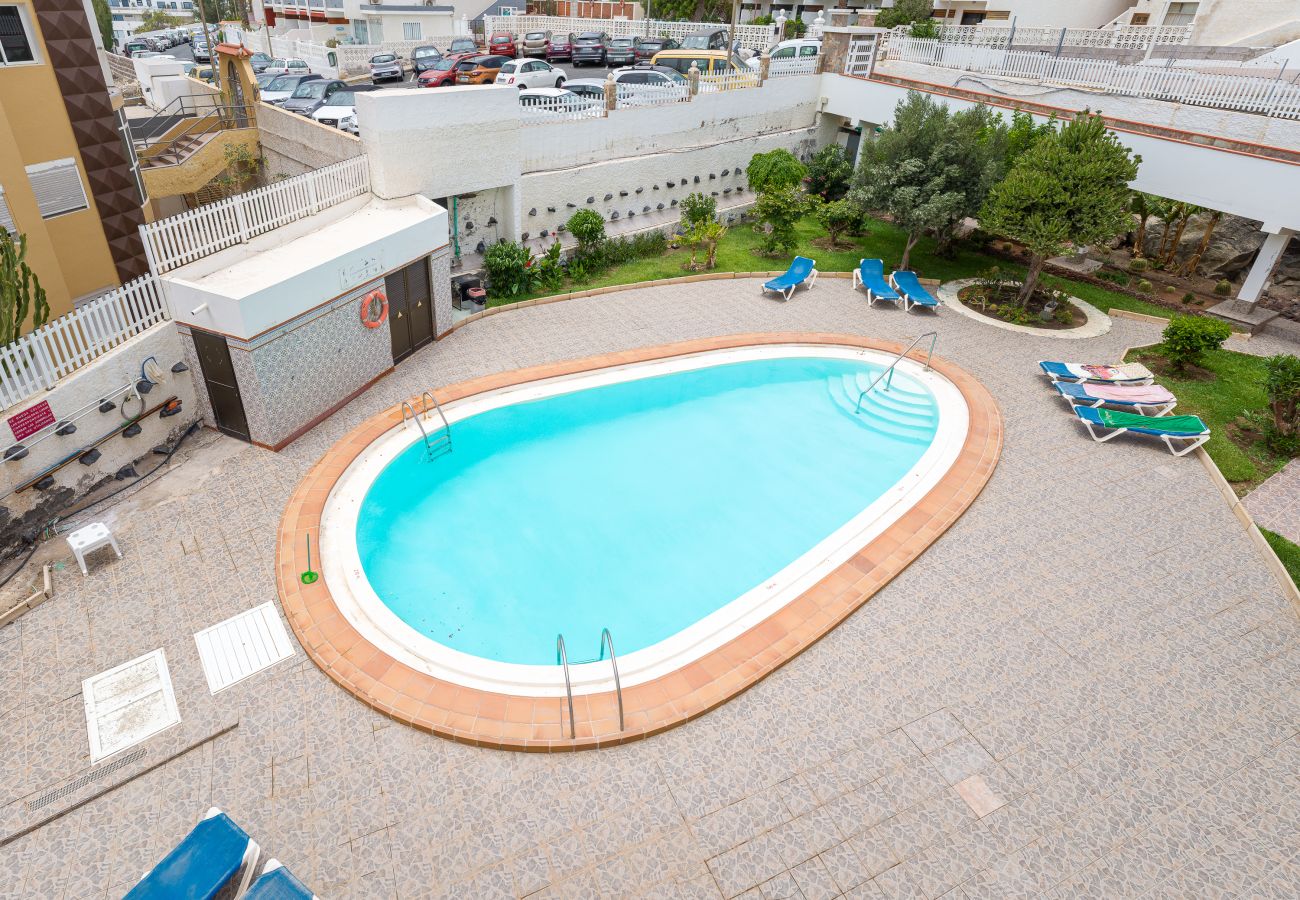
x=84 y=388
x=294 y=144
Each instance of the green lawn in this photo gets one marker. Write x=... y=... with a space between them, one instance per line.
x=883 y=241
x=1286 y=551
x=1237 y=388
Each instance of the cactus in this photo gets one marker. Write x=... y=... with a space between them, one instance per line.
x=20 y=290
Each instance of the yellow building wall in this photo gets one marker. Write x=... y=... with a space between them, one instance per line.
x=68 y=253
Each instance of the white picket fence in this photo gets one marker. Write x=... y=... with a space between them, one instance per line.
x=633 y=96
x=784 y=68
x=37 y=360
x=1267 y=96
x=176 y=241
x=1134 y=37
x=756 y=37
x=731 y=81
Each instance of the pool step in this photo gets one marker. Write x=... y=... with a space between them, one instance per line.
x=880 y=419
x=901 y=405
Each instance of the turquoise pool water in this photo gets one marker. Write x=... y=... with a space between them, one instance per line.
x=641 y=506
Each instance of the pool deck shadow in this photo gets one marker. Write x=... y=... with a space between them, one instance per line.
x=505 y=721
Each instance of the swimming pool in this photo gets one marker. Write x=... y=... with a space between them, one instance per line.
x=676 y=503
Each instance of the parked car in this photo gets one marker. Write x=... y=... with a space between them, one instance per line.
x=199 y=71
x=385 y=67
x=535 y=43
x=556 y=100
x=560 y=46
x=799 y=48
x=264 y=81
x=284 y=85
x=423 y=58
x=529 y=73
x=463 y=45
x=259 y=62
x=280 y=66
x=201 y=53
x=340 y=110
x=587 y=88
x=312 y=95
x=479 y=69
x=646 y=48
x=709 y=62
x=443 y=72
x=647 y=84
x=502 y=43
x=135 y=46
x=590 y=47
x=621 y=51
x=707 y=39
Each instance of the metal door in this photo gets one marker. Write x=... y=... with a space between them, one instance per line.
x=223 y=388
x=410 y=309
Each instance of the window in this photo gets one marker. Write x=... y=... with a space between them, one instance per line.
x=1181 y=13
x=6 y=218
x=1139 y=19
x=57 y=186
x=15 y=42
x=411 y=31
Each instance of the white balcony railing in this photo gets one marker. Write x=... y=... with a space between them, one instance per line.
x=755 y=37
x=1266 y=96
x=37 y=360
x=176 y=241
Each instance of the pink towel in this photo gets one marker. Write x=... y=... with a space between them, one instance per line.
x=1145 y=394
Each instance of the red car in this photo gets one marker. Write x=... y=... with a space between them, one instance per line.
x=560 y=47
x=442 y=73
x=502 y=44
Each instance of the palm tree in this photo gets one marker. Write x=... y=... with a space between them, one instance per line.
x=1194 y=261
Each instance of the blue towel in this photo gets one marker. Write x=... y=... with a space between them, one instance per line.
x=199 y=866
x=278 y=884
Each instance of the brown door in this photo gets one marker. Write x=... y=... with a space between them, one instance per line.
x=223 y=388
x=410 y=309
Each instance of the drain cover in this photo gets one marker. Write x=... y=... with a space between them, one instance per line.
x=240 y=646
x=129 y=703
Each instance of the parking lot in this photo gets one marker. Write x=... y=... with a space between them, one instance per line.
x=569 y=69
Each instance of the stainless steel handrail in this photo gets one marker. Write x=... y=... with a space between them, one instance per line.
x=424 y=404
x=407 y=407
x=607 y=640
x=562 y=657
x=932 y=335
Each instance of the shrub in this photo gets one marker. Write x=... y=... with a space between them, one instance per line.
x=1114 y=277
x=588 y=226
x=548 y=269
x=1138 y=264
x=507 y=265
x=1223 y=287
x=837 y=217
x=1282 y=384
x=705 y=235
x=1169 y=289
x=829 y=173
x=1189 y=297
x=780 y=210
x=774 y=170
x=1064 y=313
x=1188 y=337
x=697 y=209
x=1145 y=286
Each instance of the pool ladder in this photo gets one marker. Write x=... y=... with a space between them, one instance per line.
x=440 y=442
x=562 y=657
x=889 y=371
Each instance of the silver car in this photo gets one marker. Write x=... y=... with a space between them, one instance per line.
x=385 y=67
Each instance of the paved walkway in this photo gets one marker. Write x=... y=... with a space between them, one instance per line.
x=1086 y=688
x=1275 y=504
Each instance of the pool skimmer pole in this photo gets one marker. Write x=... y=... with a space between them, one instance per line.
x=309 y=577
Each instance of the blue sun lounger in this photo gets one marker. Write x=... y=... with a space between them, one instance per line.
x=1149 y=400
x=801 y=270
x=1124 y=373
x=870 y=274
x=278 y=883
x=212 y=855
x=907 y=284
x=1189 y=430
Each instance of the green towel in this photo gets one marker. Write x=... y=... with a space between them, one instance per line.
x=1172 y=424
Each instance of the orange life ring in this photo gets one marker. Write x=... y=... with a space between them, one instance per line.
x=369 y=317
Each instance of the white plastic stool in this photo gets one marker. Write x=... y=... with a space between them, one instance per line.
x=91 y=537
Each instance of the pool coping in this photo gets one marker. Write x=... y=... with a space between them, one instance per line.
x=540 y=724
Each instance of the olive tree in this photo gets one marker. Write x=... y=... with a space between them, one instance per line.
x=1071 y=187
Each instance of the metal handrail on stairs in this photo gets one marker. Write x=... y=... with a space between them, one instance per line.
x=217 y=118
x=408 y=408
x=562 y=657
x=889 y=370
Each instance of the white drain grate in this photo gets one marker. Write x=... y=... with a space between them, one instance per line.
x=129 y=703
x=236 y=648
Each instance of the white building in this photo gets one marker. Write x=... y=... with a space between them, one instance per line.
x=375 y=23
x=1072 y=14
x=128 y=15
x=1243 y=23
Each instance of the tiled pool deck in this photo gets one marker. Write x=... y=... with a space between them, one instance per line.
x=495 y=719
x=1086 y=688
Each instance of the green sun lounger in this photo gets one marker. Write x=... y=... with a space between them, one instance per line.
x=1189 y=431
